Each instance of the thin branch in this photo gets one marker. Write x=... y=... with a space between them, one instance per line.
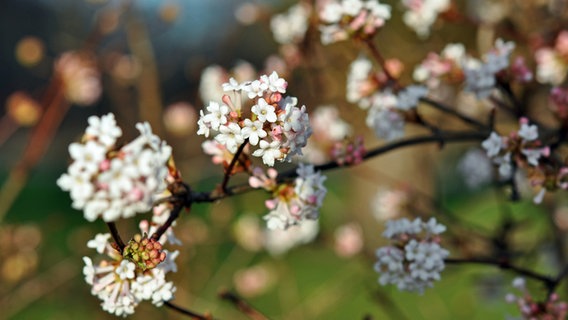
x=446 y=109
x=380 y=59
x=442 y=136
x=174 y=214
x=115 y=235
x=234 y=161
x=187 y=312
x=505 y=265
x=242 y=305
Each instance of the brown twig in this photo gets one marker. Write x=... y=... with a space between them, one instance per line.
x=174 y=214
x=446 y=109
x=548 y=281
x=116 y=235
x=187 y=312
x=229 y=170
x=442 y=136
x=242 y=305
x=380 y=59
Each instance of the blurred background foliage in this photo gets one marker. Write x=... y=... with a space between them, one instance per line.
x=150 y=54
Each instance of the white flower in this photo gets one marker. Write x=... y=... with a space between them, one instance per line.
x=255 y=88
x=433 y=227
x=480 y=80
x=422 y=14
x=274 y=82
x=290 y=27
x=264 y=111
x=88 y=156
x=100 y=242
x=387 y=124
x=253 y=131
x=232 y=85
x=533 y=155
x=126 y=270
x=268 y=151
x=104 y=129
x=528 y=132
x=493 y=144
x=230 y=136
x=352 y=17
x=332 y=12
x=409 y=97
x=217 y=115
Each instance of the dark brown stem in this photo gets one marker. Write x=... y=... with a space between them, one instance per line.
x=242 y=305
x=174 y=214
x=187 y=312
x=115 y=235
x=548 y=281
x=380 y=59
x=229 y=170
x=442 y=136
x=446 y=109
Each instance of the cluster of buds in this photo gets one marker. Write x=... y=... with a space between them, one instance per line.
x=113 y=182
x=122 y=281
x=145 y=252
x=551 y=309
x=415 y=259
x=349 y=152
x=352 y=18
x=275 y=126
x=293 y=202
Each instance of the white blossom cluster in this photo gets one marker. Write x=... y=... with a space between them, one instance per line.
x=415 y=258
x=291 y=27
x=522 y=146
x=274 y=124
x=384 y=108
x=480 y=77
x=345 y=18
x=293 y=202
x=110 y=182
x=552 y=62
x=120 y=285
x=454 y=65
x=420 y=15
x=448 y=64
